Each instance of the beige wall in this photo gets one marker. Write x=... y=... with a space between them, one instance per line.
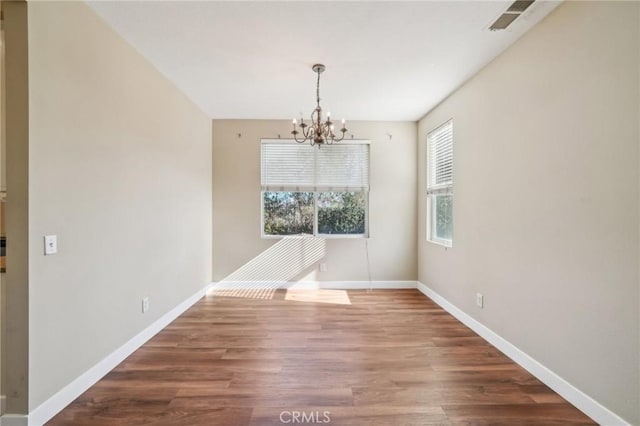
x=120 y=171
x=15 y=367
x=3 y=178
x=392 y=212
x=546 y=199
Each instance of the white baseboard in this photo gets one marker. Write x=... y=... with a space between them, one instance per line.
x=13 y=420
x=66 y=395
x=575 y=396
x=311 y=285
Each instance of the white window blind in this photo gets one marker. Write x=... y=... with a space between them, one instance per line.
x=289 y=166
x=440 y=145
x=342 y=167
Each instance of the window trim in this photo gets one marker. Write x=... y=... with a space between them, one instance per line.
x=437 y=189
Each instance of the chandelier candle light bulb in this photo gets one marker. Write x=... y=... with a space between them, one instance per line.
x=319 y=132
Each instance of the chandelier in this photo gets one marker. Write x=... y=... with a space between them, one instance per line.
x=318 y=132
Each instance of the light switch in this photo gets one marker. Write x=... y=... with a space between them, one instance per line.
x=50 y=244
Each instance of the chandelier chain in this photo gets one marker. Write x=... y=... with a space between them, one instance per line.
x=318 y=89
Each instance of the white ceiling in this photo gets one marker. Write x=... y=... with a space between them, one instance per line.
x=385 y=60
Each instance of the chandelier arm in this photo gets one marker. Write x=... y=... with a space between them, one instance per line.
x=313 y=129
x=329 y=140
x=338 y=139
x=295 y=135
x=295 y=131
x=308 y=132
x=344 y=133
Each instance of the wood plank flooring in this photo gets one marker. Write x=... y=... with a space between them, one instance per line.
x=381 y=357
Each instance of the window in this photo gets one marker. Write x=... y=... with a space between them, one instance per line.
x=440 y=185
x=315 y=191
x=288 y=212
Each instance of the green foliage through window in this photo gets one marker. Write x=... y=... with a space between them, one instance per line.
x=341 y=213
x=288 y=213
x=293 y=213
x=443 y=216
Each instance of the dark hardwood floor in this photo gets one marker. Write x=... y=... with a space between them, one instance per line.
x=384 y=357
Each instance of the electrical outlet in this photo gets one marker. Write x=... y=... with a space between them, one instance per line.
x=323 y=267
x=479 y=300
x=50 y=244
x=145 y=305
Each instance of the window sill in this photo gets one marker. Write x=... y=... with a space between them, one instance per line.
x=323 y=236
x=443 y=243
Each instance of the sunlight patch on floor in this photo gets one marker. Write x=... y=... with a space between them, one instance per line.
x=249 y=293
x=337 y=297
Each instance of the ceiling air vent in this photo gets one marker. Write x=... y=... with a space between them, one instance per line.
x=520 y=6
x=516 y=8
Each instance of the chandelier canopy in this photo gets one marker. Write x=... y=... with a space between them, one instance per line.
x=318 y=132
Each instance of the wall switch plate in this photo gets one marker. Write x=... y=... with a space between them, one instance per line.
x=145 y=305
x=50 y=244
x=479 y=300
x=323 y=267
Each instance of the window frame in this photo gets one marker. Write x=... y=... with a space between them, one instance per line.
x=316 y=234
x=435 y=190
x=315 y=193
